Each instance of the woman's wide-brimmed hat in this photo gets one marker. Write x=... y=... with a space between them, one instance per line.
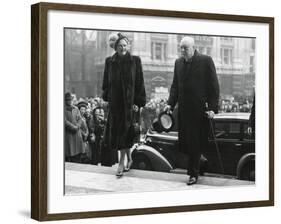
x=164 y=122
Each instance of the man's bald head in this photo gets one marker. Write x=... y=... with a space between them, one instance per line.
x=187 y=41
x=187 y=47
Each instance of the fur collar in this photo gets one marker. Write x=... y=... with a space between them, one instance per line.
x=127 y=57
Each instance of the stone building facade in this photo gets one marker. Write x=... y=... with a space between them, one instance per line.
x=234 y=59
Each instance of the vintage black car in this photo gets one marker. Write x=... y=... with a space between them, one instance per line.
x=159 y=151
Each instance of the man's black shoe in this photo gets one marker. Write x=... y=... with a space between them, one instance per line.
x=192 y=180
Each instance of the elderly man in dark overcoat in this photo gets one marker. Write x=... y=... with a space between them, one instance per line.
x=196 y=90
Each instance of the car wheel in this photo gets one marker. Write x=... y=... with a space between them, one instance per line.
x=248 y=171
x=141 y=162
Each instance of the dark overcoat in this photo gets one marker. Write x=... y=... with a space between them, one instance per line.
x=194 y=84
x=252 y=121
x=73 y=141
x=132 y=91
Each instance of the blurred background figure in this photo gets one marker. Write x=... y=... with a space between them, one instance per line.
x=74 y=146
x=91 y=136
x=82 y=106
x=252 y=120
x=98 y=131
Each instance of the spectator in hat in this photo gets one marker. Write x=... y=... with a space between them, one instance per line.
x=74 y=146
x=123 y=89
x=82 y=106
x=98 y=132
x=91 y=136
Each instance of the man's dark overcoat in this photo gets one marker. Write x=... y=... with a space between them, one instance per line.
x=194 y=84
x=130 y=85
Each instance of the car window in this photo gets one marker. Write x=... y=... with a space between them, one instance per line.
x=227 y=130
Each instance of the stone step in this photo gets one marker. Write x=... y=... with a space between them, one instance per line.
x=92 y=179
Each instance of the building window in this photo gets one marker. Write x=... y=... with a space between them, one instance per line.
x=253 y=44
x=164 y=46
x=226 y=55
x=152 y=51
x=73 y=90
x=252 y=66
x=226 y=39
x=209 y=51
x=179 y=49
x=201 y=50
x=158 y=51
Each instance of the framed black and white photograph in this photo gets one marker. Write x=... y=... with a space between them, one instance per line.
x=138 y=111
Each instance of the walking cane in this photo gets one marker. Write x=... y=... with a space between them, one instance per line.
x=215 y=140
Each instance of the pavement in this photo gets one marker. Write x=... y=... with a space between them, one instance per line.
x=91 y=179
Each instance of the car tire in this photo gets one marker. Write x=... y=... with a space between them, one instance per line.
x=141 y=162
x=248 y=171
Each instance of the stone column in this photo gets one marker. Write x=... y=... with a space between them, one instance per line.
x=141 y=46
x=172 y=48
x=216 y=51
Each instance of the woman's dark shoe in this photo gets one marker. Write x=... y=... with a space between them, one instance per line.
x=128 y=167
x=119 y=172
x=192 y=180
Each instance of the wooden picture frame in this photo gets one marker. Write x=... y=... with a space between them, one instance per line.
x=40 y=103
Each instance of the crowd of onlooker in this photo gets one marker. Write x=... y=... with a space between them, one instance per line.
x=90 y=122
x=234 y=106
x=156 y=106
x=85 y=121
x=151 y=111
x=92 y=102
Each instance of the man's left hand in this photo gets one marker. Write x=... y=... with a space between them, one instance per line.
x=210 y=114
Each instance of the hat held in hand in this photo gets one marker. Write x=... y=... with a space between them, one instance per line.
x=164 y=122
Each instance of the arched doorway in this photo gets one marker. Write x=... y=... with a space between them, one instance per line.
x=159 y=88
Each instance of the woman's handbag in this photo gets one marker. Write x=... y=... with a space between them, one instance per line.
x=136 y=128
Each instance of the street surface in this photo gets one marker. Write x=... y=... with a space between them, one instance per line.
x=90 y=179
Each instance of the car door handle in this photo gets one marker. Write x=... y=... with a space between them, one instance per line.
x=238 y=145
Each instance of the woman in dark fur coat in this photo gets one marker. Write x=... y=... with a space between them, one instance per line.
x=123 y=89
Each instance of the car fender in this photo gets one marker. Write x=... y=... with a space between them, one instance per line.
x=244 y=160
x=158 y=161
